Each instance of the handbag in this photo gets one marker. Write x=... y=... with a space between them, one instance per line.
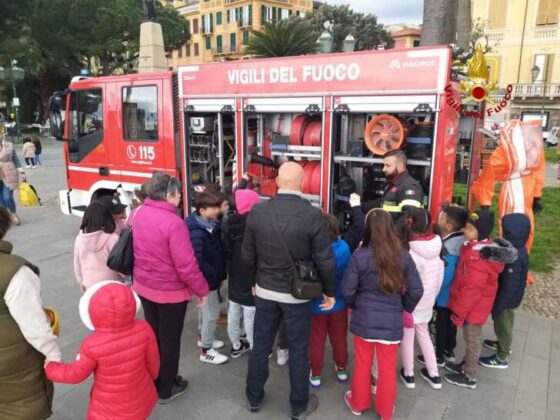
x=121 y=257
x=305 y=281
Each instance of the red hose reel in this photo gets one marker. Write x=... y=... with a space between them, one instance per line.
x=306 y=131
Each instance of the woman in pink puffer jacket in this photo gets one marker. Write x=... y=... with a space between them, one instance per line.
x=426 y=250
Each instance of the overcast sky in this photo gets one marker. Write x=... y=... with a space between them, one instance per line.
x=387 y=11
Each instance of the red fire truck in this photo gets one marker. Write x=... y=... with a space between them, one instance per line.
x=336 y=114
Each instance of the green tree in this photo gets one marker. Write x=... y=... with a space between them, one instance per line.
x=284 y=38
x=367 y=31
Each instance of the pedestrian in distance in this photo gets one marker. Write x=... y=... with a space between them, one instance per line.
x=93 y=245
x=473 y=291
x=241 y=300
x=29 y=153
x=334 y=322
x=166 y=276
x=516 y=228
x=9 y=177
x=122 y=354
x=38 y=151
x=280 y=231
x=26 y=337
x=451 y=222
x=206 y=239
x=380 y=283
x=425 y=248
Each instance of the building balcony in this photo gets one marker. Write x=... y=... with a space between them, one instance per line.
x=533 y=36
x=546 y=33
x=189 y=6
x=226 y=50
x=536 y=90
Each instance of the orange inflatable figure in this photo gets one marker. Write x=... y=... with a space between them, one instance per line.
x=519 y=164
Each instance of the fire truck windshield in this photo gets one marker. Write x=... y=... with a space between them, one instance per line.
x=85 y=123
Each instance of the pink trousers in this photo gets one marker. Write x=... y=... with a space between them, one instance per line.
x=407 y=349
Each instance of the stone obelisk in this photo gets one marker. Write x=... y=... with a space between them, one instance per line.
x=152 y=54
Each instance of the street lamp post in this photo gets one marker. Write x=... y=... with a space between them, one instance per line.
x=14 y=74
x=325 y=41
x=535 y=71
x=349 y=43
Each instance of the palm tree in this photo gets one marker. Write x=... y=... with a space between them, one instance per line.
x=287 y=37
x=440 y=22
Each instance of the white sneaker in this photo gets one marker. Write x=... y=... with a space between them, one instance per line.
x=217 y=344
x=282 y=357
x=35 y=167
x=213 y=357
x=28 y=167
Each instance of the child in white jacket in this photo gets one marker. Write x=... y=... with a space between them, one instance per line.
x=426 y=250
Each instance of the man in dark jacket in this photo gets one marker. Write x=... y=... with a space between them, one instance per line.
x=206 y=240
x=402 y=189
x=305 y=232
x=516 y=229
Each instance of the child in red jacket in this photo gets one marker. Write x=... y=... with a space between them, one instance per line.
x=122 y=353
x=474 y=290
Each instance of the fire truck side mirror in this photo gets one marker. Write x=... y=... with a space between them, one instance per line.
x=56 y=123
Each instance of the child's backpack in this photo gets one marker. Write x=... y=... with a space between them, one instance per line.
x=28 y=195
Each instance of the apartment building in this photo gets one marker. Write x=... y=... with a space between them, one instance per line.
x=526 y=55
x=220 y=28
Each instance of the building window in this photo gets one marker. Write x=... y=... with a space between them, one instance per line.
x=245 y=37
x=180 y=52
x=207 y=24
x=497 y=12
x=208 y=43
x=219 y=46
x=548 y=12
x=196 y=49
x=233 y=42
x=544 y=62
x=195 y=26
x=284 y=13
x=218 y=18
x=188 y=47
x=416 y=43
x=140 y=113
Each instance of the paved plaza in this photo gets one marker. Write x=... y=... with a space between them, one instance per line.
x=528 y=389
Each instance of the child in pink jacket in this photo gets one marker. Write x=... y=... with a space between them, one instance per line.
x=93 y=245
x=426 y=250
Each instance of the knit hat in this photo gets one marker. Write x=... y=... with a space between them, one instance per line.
x=245 y=200
x=483 y=221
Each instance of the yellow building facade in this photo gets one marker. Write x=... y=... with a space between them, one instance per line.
x=527 y=53
x=220 y=28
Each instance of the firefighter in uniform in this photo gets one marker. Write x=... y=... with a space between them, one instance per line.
x=402 y=189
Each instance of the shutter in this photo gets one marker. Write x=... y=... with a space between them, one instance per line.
x=233 y=42
x=250 y=15
x=208 y=43
x=218 y=18
x=245 y=37
x=188 y=50
x=219 y=44
x=211 y=23
x=274 y=14
x=497 y=11
x=263 y=15
x=227 y=16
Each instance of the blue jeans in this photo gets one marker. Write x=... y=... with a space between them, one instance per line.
x=38 y=161
x=297 y=318
x=7 y=198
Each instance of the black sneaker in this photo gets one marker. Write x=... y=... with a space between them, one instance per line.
x=454 y=367
x=179 y=388
x=312 y=406
x=253 y=408
x=434 y=381
x=244 y=347
x=449 y=356
x=491 y=344
x=440 y=362
x=462 y=380
x=408 y=381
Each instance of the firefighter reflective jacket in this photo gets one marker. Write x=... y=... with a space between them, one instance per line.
x=519 y=163
x=402 y=191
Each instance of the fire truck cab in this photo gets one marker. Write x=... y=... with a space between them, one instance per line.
x=335 y=114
